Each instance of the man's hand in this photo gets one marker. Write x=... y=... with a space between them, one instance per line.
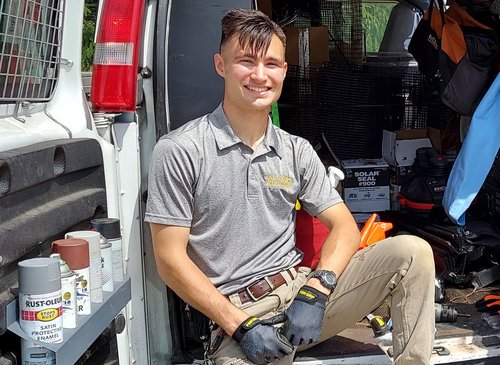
x=305 y=316
x=260 y=341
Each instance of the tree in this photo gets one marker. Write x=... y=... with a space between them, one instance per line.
x=375 y=16
x=89 y=25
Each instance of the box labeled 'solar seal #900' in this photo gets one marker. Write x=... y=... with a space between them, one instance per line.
x=366 y=185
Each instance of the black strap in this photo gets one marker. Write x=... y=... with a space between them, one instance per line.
x=441 y=11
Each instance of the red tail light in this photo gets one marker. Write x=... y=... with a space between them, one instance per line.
x=115 y=69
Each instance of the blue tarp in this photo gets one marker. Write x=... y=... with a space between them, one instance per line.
x=476 y=156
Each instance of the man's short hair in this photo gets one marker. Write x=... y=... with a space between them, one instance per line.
x=253 y=28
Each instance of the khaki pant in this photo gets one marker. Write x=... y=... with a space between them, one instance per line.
x=400 y=267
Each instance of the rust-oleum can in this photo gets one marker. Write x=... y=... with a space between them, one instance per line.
x=75 y=252
x=40 y=308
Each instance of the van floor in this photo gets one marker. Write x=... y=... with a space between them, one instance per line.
x=474 y=328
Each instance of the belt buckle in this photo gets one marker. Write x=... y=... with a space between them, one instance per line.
x=254 y=298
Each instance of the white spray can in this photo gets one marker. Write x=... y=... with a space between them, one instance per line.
x=94 y=240
x=106 y=265
x=110 y=228
x=68 y=291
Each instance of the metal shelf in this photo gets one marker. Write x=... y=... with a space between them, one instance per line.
x=77 y=340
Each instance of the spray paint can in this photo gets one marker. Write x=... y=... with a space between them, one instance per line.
x=75 y=252
x=106 y=265
x=68 y=291
x=94 y=240
x=34 y=354
x=40 y=306
x=110 y=228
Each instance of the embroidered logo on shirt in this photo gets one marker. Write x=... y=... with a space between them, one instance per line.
x=282 y=182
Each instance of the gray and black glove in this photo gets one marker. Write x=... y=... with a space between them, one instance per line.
x=305 y=316
x=260 y=341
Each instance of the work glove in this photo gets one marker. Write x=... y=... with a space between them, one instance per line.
x=305 y=316
x=261 y=341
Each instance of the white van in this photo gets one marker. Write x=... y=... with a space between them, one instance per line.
x=65 y=159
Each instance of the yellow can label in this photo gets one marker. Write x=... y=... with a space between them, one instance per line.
x=47 y=315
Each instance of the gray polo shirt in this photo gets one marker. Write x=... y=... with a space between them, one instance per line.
x=240 y=204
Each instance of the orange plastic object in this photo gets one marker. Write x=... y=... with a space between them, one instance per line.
x=373 y=231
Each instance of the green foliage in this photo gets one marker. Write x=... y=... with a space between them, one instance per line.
x=89 y=25
x=375 y=16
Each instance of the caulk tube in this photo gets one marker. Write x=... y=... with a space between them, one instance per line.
x=94 y=240
x=75 y=252
x=68 y=291
x=110 y=228
x=106 y=265
x=40 y=302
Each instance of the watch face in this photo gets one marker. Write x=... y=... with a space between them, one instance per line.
x=327 y=278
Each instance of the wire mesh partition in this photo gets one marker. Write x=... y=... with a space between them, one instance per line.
x=30 y=38
x=342 y=18
x=352 y=105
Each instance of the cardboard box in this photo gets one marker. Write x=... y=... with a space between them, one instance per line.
x=306 y=46
x=399 y=147
x=366 y=185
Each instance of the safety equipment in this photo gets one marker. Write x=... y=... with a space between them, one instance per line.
x=305 y=316
x=261 y=341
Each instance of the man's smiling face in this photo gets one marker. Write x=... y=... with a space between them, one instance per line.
x=252 y=81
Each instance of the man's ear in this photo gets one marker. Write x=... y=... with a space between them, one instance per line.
x=285 y=68
x=219 y=64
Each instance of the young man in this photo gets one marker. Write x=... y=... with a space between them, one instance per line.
x=222 y=193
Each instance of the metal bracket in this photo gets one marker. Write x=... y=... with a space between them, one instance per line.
x=19 y=105
x=441 y=350
x=66 y=62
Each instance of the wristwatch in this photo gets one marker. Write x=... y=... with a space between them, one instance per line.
x=327 y=278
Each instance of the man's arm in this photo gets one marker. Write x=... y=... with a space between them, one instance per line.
x=341 y=243
x=306 y=312
x=179 y=272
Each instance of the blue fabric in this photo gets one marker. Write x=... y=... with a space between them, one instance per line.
x=476 y=156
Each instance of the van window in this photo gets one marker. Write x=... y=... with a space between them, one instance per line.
x=375 y=17
x=30 y=40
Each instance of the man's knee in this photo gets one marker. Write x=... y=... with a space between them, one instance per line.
x=414 y=249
